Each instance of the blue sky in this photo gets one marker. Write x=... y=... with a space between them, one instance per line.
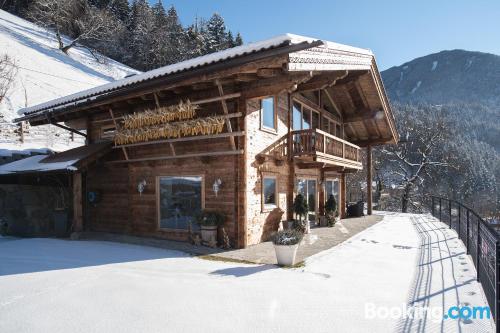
x=397 y=31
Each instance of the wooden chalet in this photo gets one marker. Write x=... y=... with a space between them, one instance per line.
x=264 y=122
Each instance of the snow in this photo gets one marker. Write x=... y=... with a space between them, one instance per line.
x=416 y=87
x=434 y=65
x=50 y=285
x=189 y=64
x=44 y=71
x=33 y=163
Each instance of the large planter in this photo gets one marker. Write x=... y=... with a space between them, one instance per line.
x=285 y=254
x=208 y=233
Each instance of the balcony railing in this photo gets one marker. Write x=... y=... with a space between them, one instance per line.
x=317 y=142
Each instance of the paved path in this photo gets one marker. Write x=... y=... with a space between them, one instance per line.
x=319 y=239
x=49 y=285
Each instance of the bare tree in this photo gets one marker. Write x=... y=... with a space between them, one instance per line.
x=408 y=164
x=8 y=71
x=76 y=18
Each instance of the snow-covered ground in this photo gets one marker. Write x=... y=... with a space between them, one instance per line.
x=49 y=285
x=45 y=73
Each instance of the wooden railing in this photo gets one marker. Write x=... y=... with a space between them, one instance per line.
x=313 y=141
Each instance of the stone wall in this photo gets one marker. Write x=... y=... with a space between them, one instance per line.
x=260 y=222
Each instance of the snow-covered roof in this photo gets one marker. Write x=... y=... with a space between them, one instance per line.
x=69 y=160
x=282 y=40
x=35 y=164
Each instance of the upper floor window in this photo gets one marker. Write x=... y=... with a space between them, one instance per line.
x=268 y=114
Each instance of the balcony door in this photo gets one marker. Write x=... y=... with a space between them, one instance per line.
x=309 y=189
x=304 y=118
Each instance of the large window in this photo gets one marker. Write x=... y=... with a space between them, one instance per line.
x=304 y=118
x=268 y=113
x=269 y=192
x=180 y=200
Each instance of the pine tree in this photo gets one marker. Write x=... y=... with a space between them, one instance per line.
x=238 y=40
x=216 y=37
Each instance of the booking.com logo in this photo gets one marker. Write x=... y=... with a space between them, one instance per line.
x=434 y=313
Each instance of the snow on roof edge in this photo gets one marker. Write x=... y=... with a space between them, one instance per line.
x=241 y=50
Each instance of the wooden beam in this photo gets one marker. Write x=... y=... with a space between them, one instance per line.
x=77 y=202
x=198 y=102
x=72 y=130
x=332 y=102
x=172 y=149
x=269 y=72
x=226 y=112
x=373 y=142
x=361 y=115
x=343 y=196
x=369 y=170
x=183 y=139
x=322 y=81
x=161 y=158
x=116 y=128
x=271 y=86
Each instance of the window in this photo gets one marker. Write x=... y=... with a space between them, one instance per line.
x=269 y=192
x=332 y=188
x=180 y=199
x=268 y=113
x=307 y=187
x=297 y=117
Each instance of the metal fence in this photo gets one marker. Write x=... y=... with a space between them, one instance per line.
x=482 y=243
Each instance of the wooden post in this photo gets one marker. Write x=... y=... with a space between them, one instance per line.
x=77 y=202
x=343 y=197
x=369 y=199
x=322 y=198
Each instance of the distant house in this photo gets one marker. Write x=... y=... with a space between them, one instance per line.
x=264 y=122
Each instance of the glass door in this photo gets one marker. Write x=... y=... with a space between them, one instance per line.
x=308 y=188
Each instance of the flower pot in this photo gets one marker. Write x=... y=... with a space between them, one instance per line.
x=285 y=254
x=209 y=233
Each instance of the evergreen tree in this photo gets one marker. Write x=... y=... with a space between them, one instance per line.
x=216 y=36
x=238 y=40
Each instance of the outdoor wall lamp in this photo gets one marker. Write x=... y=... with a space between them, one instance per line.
x=141 y=186
x=217 y=185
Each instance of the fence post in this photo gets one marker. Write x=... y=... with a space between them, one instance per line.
x=459 y=217
x=440 y=219
x=432 y=210
x=497 y=285
x=449 y=210
x=467 y=245
x=478 y=248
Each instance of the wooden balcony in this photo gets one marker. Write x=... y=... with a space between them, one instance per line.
x=318 y=146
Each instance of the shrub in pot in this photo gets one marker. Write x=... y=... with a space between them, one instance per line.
x=209 y=222
x=300 y=208
x=286 y=243
x=331 y=211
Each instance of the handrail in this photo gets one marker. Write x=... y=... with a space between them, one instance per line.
x=336 y=138
x=481 y=240
x=313 y=141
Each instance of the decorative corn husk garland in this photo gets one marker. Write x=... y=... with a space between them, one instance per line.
x=162 y=115
x=202 y=126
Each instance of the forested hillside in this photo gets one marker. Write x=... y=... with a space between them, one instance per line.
x=137 y=34
x=455 y=94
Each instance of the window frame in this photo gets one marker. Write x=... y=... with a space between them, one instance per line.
x=158 y=193
x=275 y=115
x=269 y=207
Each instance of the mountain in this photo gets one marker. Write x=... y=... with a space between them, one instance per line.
x=447 y=76
x=45 y=73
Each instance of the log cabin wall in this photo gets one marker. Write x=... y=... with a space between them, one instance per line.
x=123 y=209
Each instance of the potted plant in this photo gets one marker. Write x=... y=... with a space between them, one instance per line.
x=300 y=208
x=209 y=222
x=331 y=211
x=286 y=243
